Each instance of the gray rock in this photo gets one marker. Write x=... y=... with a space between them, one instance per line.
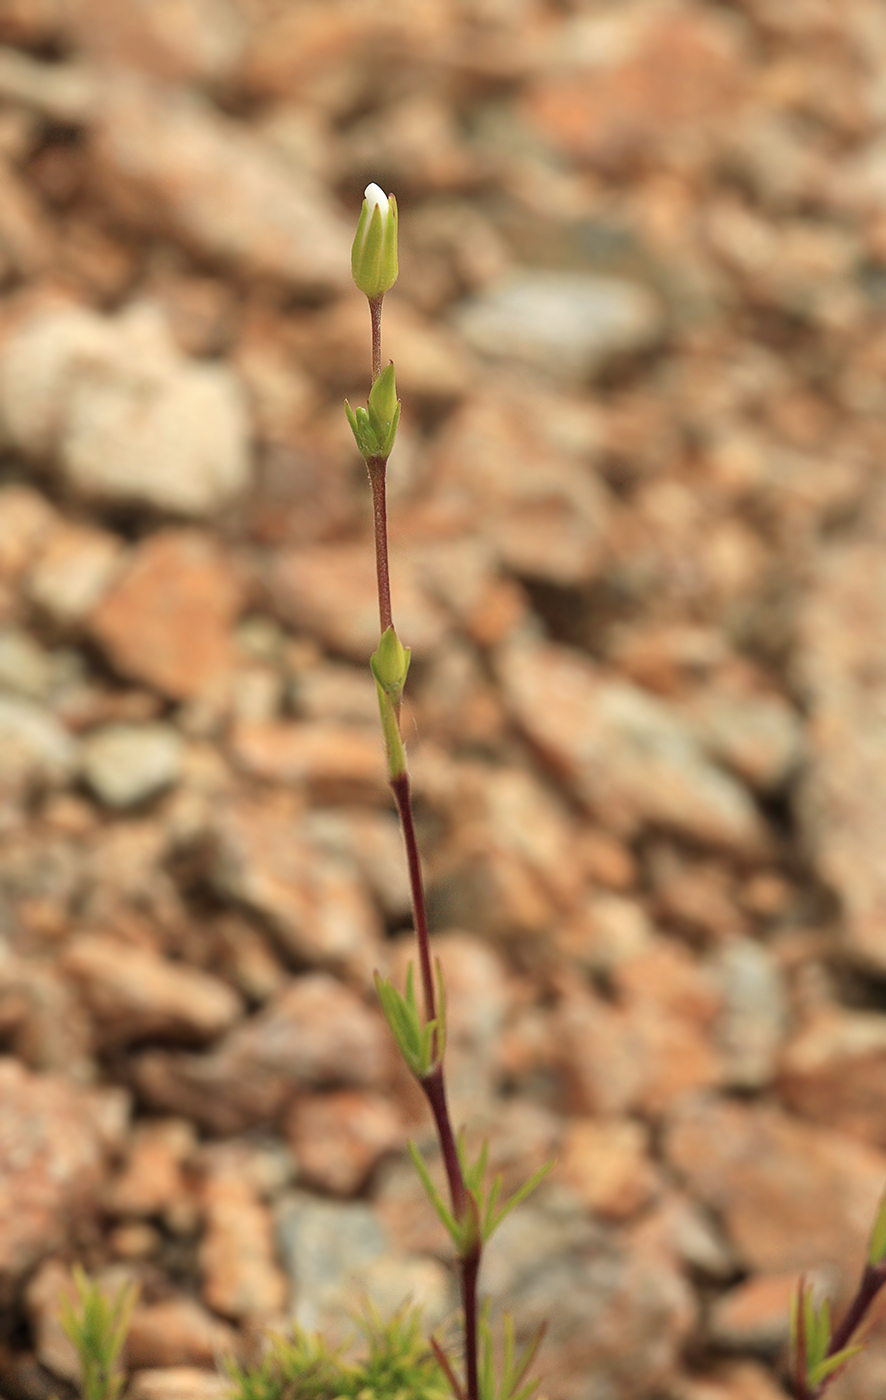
x=123 y=415
x=25 y=668
x=566 y=324
x=125 y=764
x=325 y=1248
x=754 y=1021
x=34 y=748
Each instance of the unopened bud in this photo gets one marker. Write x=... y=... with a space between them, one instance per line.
x=374 y=254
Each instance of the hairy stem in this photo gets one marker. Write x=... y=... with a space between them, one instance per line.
x=377 y=467
x=375 y=305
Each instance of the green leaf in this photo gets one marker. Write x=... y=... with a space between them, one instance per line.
x=877 y=1246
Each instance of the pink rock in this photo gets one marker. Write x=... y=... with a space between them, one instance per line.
x=51 y=1166
x=338 y=1138
x=791 y=1195
x=167 y=619
x=241 y=1277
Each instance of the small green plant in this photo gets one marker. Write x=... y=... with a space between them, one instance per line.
x=474 y=1209
x=398 y=1365
x=97 y=1325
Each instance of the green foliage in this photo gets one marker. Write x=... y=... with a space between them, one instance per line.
x=375 y=427
x=97 y=1326
x=811 y=1340
x=488 y=1211
x=398 y=1365
x=420 y=1042
x=877 y=1245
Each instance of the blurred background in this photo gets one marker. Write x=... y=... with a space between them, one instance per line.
x=638 y=525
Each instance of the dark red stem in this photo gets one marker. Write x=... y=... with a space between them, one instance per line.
x=377 y=470
x=433 y=1084
x=375 y=305
x=403 y=797
x=872 y=1280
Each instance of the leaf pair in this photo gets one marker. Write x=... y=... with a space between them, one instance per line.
x=485 y=1212
x=375 y=426
x=811 y=1334
x=420 y=1042
x=513 y=1369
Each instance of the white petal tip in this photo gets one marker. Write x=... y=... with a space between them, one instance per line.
x=376 y=195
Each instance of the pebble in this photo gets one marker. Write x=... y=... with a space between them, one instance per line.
x=607 y=1165
x=165 y=158
x=167 y=619
x=35 y=750
x=754 y=1315
x=312 y=900
x=132 y=993
x=139 y=423
x=177 y=1331
x=51 y=1164
x=791 y=1195
x=152 y=1180
x=315 y=1034
x=240 y=1274
x=74 y=568
x=126 y=764
x=178 y=1383
x=565 y=326
x=754 y=1022
x=326 y=1248
x=338 y=1138
x=625 y=754
x=833 y=1072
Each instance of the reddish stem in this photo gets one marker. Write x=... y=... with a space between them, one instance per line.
x=375 y=305
x=403 y=797
x=377 y=471
x=434 y=1083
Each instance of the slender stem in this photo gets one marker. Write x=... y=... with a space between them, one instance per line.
x=403 y=797
x=433 y=1084
x=377 y=472
x=470 y=1272
x=375 y=305
x=872 y=1280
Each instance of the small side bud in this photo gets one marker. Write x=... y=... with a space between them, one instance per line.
x=390 y=663
x=374 y=254
x=384 y=409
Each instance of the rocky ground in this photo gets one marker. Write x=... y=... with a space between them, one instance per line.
x=639 y=527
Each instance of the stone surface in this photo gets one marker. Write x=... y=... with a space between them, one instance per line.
x=75 y=566
x=134 y=994
x=561 y=325
x=791 y=1196
x=840 y=801
x=125 y=764
x=338 y=1138
x=241 y=1278
x=167 y=619
x=309 y=897
x=51 y=1161
x=314 y=1034
x=164 y=156
x=178 y=1383
x=625 y=755
x=607 y=1165
x=126 y=416
x=35 y=750
x=177 y=1331
x=832 y=1072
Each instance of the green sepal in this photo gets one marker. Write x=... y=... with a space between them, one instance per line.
x=375 y=427
x=420 y=1042
x=374 y=252
x=389 y=663
x=877 y=1246
x=395 y=750
x=384 y=410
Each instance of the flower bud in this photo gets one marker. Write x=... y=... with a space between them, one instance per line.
x=374 y=254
